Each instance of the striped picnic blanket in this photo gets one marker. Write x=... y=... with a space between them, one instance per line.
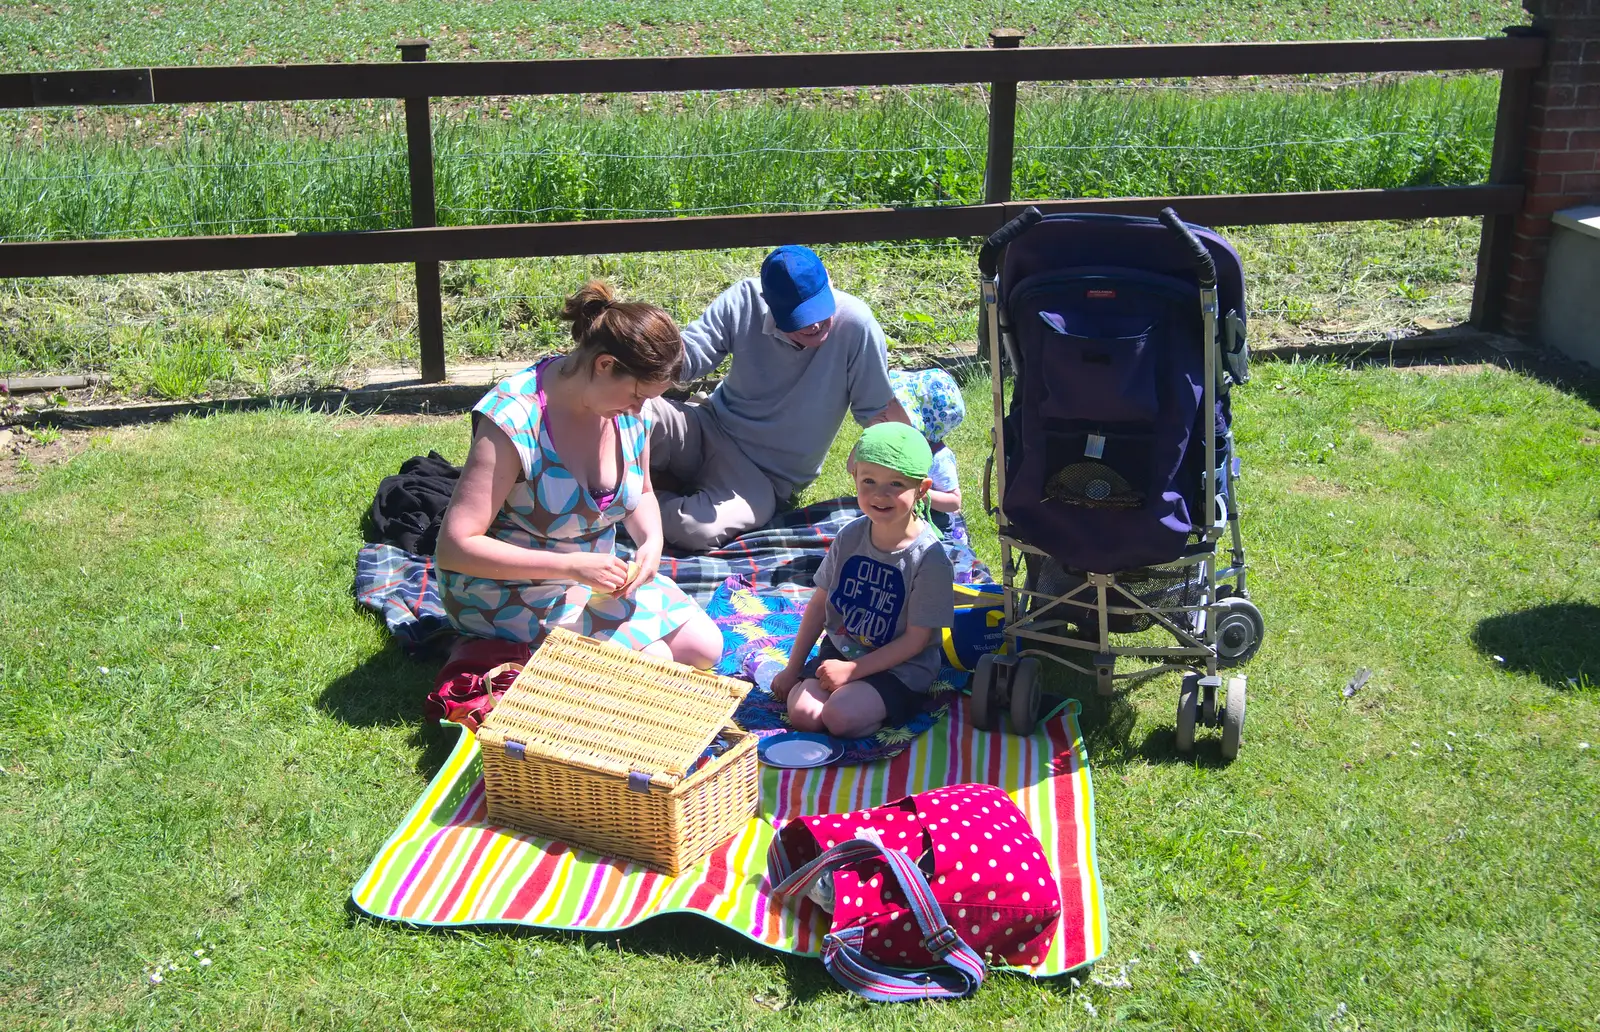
x=447 y=865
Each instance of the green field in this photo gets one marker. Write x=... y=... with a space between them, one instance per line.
x=238 y=171
x=203 y=743
x=102 y=33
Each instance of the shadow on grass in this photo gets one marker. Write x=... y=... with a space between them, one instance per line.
x=670 y=937
x=1562 y=373
x=1108 y=721
x=1461 y=345
x=687 y=937
x=387 y=690
x=1558 y=643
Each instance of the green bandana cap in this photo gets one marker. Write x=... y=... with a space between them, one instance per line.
x=898 y=447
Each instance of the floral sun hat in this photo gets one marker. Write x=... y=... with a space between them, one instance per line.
x=931 y=397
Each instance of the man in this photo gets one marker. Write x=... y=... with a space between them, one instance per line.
x=803 y=355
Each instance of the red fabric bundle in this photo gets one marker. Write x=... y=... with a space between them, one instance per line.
x=478 y=672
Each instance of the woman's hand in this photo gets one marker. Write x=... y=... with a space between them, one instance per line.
x=834 y=674
x=646 y=561
x=783 y=682
x=601 y=571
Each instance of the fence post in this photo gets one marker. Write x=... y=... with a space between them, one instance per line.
x=419 y=149
x=1505 y=166
x=1002 y=125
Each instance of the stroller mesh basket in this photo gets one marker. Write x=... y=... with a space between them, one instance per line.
x=1093 y=484
x=1158 y=587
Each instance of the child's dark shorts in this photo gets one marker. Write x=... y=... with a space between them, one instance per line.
x=899 y=702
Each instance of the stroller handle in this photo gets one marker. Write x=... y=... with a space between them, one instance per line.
x=1205 y=265
x=989 y=253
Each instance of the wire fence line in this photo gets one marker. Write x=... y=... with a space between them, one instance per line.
x=193 y=166
x=92 y=174
x=917 y=147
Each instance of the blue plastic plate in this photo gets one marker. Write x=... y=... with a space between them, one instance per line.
x=799 y=749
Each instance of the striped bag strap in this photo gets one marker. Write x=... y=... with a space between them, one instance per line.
x=842 y=954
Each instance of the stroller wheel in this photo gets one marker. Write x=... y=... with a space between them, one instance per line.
x=1024 y=709
x=1188 y=710
x=1233 y=718
x=983 y=684
x=1240 y=629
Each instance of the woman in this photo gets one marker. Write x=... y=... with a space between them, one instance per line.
x=560 y=455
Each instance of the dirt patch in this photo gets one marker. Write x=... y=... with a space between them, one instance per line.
x=24 y=453
x=1313 y=488
x=1448 y=368
x=1388 y=441
x=398 y=419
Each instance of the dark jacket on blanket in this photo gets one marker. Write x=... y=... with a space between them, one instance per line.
x=410 y=505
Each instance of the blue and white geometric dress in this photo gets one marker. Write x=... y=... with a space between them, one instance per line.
x=550 y=510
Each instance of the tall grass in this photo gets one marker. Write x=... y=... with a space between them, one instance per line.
x=240 y=171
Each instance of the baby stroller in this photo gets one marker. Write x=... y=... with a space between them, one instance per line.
x=1117 y=477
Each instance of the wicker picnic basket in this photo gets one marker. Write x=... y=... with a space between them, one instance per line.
x=591 y=745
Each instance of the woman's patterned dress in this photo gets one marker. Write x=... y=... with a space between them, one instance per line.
x=549 y=509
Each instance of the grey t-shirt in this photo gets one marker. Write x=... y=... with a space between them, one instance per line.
x=783 y=404
x=873 y=596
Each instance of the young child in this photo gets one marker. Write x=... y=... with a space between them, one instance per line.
x=932 y=401
x=884 y=593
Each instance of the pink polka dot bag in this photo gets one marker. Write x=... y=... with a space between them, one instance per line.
x=924 y=892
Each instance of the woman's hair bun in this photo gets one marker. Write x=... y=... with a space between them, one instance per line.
x=585 y=306
x=641 y=338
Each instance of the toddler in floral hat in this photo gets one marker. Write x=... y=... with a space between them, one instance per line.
x=932 y=402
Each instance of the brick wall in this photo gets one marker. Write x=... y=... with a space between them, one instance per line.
x=1561 y=160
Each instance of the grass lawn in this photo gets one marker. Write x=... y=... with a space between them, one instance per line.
x=204 y=742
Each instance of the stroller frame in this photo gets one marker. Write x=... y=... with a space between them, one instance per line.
x=1009 y=680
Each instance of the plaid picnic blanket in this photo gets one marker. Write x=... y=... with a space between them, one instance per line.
x=786 y=552
x=781 y=557
x=403 y=588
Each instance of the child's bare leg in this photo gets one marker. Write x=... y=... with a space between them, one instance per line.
x=854 y=711
x=806 y=703
x=658 y=649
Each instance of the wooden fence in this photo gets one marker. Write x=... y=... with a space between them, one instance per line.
x=1517 y=55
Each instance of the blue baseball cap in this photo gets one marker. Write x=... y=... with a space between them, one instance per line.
x=795 y=287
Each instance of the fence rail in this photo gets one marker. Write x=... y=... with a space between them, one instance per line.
x=549 y=239
x=1518 y=55
x=757 y=71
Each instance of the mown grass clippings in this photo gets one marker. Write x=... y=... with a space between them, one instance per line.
x=279 y=331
